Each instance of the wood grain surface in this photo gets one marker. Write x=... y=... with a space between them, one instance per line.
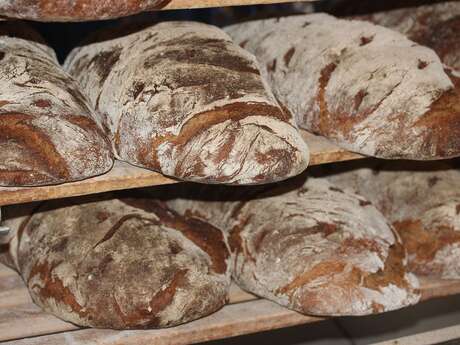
x=126 y=176
x=245 y=314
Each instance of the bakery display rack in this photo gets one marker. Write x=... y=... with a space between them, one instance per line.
x=22 y=322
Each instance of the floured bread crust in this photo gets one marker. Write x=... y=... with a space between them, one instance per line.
x=436 y=26
x=181 y=98
x=119 y=263
x=48 y=132
x=367 y=88
x=423 y=203
x=76 y=10
x=309 y=246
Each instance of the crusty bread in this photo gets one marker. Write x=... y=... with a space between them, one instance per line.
x=76 y=10
x=308 y=246
x=48 y=132
x=421 y=200
x=119 y=263
x=367 y=88
x=181 y=98
x=436 y=26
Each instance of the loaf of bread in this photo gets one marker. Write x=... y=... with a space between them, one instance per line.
x=182 y=99
x=421 y=200
x=76 y=10
x=311 y=247
x=48 y=131
x=436 y=26
x=366 y=88
x=119 y=263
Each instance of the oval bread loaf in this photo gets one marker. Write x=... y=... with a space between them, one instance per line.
x=308 y=246
x=365 y=87
x=119 y=263
x=76 y=10
x=182 y=99
x=48 y=132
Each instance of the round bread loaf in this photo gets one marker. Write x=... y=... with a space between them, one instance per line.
x=119 y=263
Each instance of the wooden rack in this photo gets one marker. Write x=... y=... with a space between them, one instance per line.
x=21 y=322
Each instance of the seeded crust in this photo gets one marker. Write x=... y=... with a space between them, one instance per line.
x=366 y=88
x=76 y=10
x=182 y=99
x=308 y=245
x=119 y=263
x=48 y=132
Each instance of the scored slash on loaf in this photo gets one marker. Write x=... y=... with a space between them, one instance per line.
x=182 y=99
x=366 y=88
x=49 y=133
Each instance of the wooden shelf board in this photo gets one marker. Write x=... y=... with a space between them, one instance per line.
x=245 y=314
x=126 y=176
x=191 y=4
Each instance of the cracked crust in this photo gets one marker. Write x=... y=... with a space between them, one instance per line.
x=48 y=132
x=181 y=98
x=76 y=10
x=307 y=245
x=422 y=201
x=367 y=88
x=435 y=26
x=119 y=263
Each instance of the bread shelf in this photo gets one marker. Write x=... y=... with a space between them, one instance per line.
x=245 y=314
x=191 y=4
x=126 y=176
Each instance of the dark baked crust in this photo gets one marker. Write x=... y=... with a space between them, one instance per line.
x=48 y=132
x=182 y=99
x=120 y=263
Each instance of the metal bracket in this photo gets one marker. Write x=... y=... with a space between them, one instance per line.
x=4 y=230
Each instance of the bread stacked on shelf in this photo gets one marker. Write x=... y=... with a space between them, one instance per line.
x=309 y=246
x=48 y=131
x=119 y=263
x=420 y=200
x=183 y=99
x=77 y=10
x=367 y=88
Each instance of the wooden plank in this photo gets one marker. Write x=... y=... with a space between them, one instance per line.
x=233 y=320
x=436 y=336
x=251 y=315
x=189 y=4
x=126 y=176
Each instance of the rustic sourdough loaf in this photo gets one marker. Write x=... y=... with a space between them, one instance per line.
x=436 y=26
x=365 y=87
x=48 y=132
x=119 y=263
x=76 y=10
x=423 y=203
x=181 y=98
x=309 y=246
